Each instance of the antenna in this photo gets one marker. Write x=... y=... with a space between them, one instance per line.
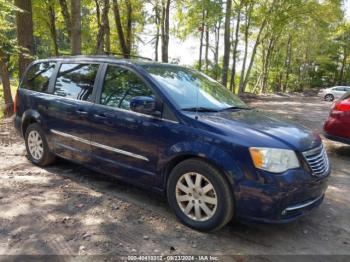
x=124 y=56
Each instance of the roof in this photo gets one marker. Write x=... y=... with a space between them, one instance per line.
x=102 y=58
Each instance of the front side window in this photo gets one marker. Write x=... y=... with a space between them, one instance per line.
x=76 y=81
x=192 y=90
x=38 y=77
x=120 y=86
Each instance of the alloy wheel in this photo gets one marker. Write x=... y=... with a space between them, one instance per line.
x=35 y=145
x=329 y=98
x=196 y=196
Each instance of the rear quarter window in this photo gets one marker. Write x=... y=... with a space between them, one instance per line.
x=38 y=77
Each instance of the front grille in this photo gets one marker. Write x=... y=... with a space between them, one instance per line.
x=318 y=160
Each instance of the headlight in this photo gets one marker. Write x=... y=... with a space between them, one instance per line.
x=274 y=160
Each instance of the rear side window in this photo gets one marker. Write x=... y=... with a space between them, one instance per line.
x=76 y=81
x=120 y=86
x=38 y=77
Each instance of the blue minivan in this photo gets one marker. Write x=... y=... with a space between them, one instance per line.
x=172 y=130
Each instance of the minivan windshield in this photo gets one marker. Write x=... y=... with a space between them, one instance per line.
x=194 y=91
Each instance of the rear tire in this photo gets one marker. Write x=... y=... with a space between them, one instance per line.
x=37 y=147
x=200 y=196
x=329 y=97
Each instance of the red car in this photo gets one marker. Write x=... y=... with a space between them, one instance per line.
x=337 y=126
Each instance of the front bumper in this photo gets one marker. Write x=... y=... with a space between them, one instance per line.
x=343 y=140
x=290 y=197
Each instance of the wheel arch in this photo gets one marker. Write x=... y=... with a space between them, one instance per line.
x=227 y=174
x=29 y=117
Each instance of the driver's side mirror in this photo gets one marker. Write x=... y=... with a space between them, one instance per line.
x=145 y=105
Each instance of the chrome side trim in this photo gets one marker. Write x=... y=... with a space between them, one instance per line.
x=95 y=144
x=300 y=206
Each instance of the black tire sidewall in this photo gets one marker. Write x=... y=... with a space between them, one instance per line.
x=330 y=96
x=46 y=154
x=222 y=189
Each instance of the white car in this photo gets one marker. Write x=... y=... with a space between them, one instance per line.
x=335 y=92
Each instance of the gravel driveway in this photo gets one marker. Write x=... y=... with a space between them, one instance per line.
x=68 y=209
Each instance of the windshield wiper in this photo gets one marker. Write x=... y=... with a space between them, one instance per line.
x=200 y=109
x=236 y=108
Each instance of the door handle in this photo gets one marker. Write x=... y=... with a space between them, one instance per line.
x=102 y=115
x=82 y=112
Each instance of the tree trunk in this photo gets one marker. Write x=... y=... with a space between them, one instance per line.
x=120 y=31
x=343 y=65
x=217 y=43
x=158 y=21
x=5 y=78
x=165 y=30
x=25 y=37
x=248 y=12
x=66 y=16
x=101 y=35
x=206 y=46
x=201 y=41
x=76 y=27
x=52 y=25
x=129 y=26
x=227 y=45
x=98 y=13
x=267 y=64
x=108 y=35
x=287 y=63
x=235 y=46
x=257 y=42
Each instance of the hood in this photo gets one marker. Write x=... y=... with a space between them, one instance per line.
x=261 y=129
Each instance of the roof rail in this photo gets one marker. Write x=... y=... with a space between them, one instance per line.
x=124 y=56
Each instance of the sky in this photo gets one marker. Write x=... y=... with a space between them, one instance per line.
x=187 y=52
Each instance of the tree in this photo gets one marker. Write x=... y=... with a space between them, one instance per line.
x=52 y=24
x=103 y=28
x=124 y=34
x=66 y=16
x=227 y=44
x=76 y=27
x=235 y=47
x=8 y=47
x=165 y=30
x=24 y=21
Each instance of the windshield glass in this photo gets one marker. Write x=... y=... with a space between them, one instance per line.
x=191 y=89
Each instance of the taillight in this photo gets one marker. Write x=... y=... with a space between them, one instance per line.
x=15 y=104
x=342 y=105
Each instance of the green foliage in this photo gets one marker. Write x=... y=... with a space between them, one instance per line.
x=317 y=33
x=304 y=44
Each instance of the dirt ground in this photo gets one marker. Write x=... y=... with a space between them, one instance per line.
x=68 y=209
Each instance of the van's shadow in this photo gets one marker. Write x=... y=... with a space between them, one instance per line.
x=101 y=192
x=115 y=188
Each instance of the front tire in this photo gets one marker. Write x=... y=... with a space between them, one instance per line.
x=37 y=147
x=200 y=196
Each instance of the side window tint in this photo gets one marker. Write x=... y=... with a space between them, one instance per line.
x=120 y=86
x=38 y=77
x=76 y=81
